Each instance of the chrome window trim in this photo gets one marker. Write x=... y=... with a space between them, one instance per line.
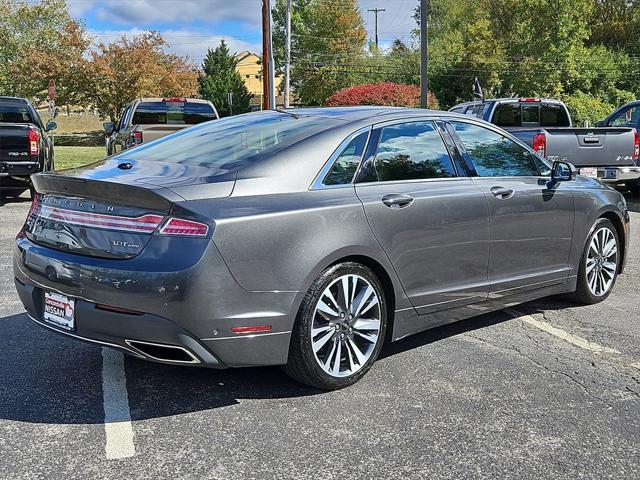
x=318 y=182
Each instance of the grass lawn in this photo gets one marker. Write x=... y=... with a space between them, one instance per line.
x=71 y=157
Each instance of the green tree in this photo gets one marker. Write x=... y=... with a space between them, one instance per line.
x=40 y=42
x=328 y=44
x=221 y=77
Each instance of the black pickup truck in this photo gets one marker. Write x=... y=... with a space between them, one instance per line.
x=25 y=147
x=608 y=152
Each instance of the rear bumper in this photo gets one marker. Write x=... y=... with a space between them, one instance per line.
x=189 y=310
x=617 y=175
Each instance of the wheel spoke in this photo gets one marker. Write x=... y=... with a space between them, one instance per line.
x=345 y=293
x=327 y=362
x=359 y=355
x=610 y=248
x=322 y=342
x=370 y=337
x=609 y=267
x=336 y=364
x=361 y=299
x=350 y=357
x=590 y=264
x=366 y=324
x=317 y=331
x=324 y=308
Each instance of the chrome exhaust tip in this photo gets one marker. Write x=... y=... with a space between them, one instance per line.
x=163 y=353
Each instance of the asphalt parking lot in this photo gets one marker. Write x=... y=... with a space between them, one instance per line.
x=547 y=390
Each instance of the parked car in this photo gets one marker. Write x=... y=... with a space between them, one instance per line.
x=25 y=147
x=148 y=119
x=610 y=154
x=306 y=238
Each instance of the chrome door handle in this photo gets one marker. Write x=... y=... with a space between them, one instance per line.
x=502 y=192
x=396 y=200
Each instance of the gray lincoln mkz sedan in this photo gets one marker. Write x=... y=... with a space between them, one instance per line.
x=307 y=238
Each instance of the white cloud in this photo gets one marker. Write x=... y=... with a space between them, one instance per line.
x=182 y=42
x=145 y=12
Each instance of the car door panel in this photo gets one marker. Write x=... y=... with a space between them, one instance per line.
x=439 y=245
x=434 y=229
x=532 y=221
x=532 y=231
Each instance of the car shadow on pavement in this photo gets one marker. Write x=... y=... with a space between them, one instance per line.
x=51 y=379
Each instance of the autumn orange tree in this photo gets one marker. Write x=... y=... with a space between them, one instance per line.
x=136 y=67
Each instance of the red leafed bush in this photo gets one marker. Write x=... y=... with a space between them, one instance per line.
x=385 y=93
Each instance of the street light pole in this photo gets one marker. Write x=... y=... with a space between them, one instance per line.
x=424 y=53
x=287 y=58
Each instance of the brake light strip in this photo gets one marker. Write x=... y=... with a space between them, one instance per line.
x=143 y=224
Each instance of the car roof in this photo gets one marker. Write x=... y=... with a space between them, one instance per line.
x=372 y=114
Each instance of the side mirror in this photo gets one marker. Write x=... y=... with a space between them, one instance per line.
x=563 y=172
x=50 y=126
x=599 y=124
x=109 y=127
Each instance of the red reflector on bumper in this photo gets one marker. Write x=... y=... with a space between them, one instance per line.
x=253 y=329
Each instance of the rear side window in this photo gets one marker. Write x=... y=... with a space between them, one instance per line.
x=412 y=151
x=554 y=115
x=495 y=155
x=507 y=115
x=15 y=111
x=172 y=113
x=346 y=164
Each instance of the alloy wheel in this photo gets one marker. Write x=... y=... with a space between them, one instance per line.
x=346 y=325
x=602 y=261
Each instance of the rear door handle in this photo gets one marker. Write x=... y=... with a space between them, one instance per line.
x=396 y=200
x=502 y=192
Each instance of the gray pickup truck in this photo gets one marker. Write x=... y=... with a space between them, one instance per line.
x=148 y=119
x=609 y=153
x=25 y=146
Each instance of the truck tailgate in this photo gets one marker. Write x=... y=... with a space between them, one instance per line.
x=14 y=142
x=153 y=132
x=591 y=147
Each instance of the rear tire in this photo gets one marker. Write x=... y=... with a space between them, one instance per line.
x=339 y=329
x=599 y=264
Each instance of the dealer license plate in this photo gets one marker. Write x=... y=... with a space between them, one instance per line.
x=589 y=172
x=59 y=310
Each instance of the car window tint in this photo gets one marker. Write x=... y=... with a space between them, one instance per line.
x=627 y=118
x=554 y=115
x=347 y=162
x=15 y=111
x=495 y=155
x=507 y=115
x=172 y=113
x=412 y=151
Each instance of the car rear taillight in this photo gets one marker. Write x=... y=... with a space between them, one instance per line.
x=636 y=146
x=188 y=228
x=34 y=142
x=540 y=144
x=136 y=138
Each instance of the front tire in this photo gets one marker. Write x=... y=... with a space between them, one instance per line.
x=339 y=329
x=599 y=264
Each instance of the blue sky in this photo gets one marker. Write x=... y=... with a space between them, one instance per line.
x=191 y=26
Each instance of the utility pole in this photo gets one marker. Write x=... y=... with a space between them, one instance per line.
x=376 y=11
x=287 y=58
x=424 y=53
x=268 y=87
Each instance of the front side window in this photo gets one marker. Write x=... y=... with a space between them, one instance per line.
x=347 y=162
x=412 y=151
x=494 y=155
x=629 y=117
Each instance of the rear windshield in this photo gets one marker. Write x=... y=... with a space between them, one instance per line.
x=518 y=114
x=15 y=111
x=231 y=142
x=172 y=113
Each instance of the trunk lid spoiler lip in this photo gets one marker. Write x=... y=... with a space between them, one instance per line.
x=147 y=196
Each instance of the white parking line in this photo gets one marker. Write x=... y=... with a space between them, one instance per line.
x=117 y=418
x=562 y=334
